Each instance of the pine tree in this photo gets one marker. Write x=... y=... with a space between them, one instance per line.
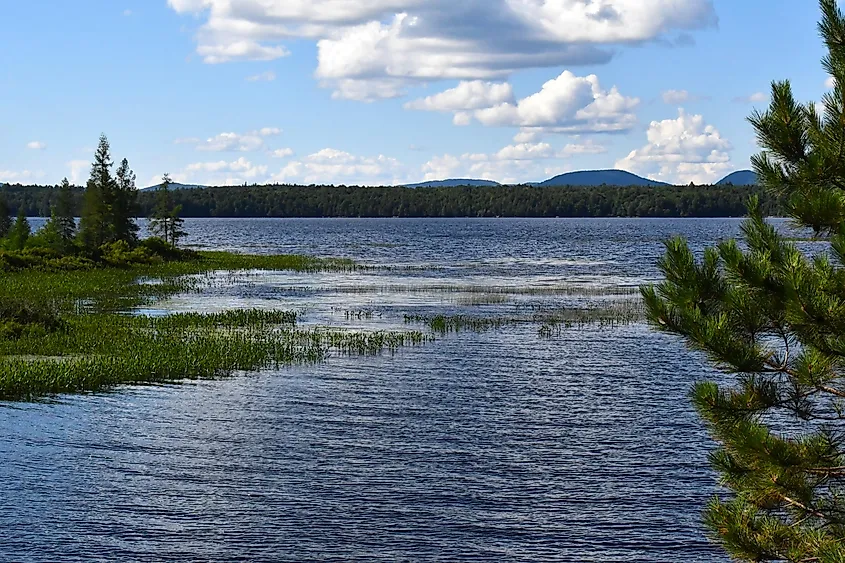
x=64 y=218
x=125 y=205
x=95 y=225
x=5 y=217
x=20 y=231
x=774 y=319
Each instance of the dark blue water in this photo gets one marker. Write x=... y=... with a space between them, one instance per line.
x=498 y=446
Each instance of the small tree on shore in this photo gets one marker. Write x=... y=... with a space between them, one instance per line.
x=165 y=221
x=20 y=231
x=95 y=226
x=5 y=217
x=774 y=318
x=64 y=217
x=125 y=205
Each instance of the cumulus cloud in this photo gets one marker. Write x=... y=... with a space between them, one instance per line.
x=755 y=98
x=20 y=176
x=830 y=83
x=398 y=42
x=513 y=164
x=233 y=142
x=36 y=145
x=223 y=173
x=680 y=151
x=566 y=104
x=332 y=166
x=268 y=76
x=282 y=153
x=476 y=94
x=79 y=170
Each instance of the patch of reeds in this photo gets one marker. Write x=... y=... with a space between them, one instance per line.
x=102 y=350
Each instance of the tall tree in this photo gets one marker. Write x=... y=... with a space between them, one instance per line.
x=20 y=231
x=95 y=226
x=5 y=217
x=165 y=221
x=774 y=318
x=125 y=205
x=64 y=216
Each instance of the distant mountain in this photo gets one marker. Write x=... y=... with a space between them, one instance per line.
x=453 y=183
x=741 y=178
x=177 y=186
x=599 y=177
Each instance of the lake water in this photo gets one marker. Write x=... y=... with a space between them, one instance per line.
x=492 y=446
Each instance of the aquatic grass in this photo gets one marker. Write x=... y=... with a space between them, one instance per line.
x=552 y=322
x=103 y=350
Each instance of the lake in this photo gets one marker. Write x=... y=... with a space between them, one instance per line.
x=496 y=445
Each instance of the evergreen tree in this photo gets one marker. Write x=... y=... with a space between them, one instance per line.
x=125 y=205
x=64 y=218
x=774 y=318
x=165 y=221
x=20 y=232
x=95 y=225
x=5 y=217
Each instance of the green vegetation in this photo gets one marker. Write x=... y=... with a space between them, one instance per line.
x=498 y=201
x=774 y=319
x=551 y=322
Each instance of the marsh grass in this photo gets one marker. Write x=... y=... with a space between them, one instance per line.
x=552 y=322
x=102 y=350
x=78 y=336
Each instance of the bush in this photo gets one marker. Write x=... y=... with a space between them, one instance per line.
x=18 y=317
x=165 y=250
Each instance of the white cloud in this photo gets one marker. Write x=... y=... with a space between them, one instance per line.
x=332 y=166
x=223 y=173
x=830 y=83
x=79 y=170
x=282 y=153
x=566 y=104
x=20 y=176
x=268 y=76
x=513 y=164
x=233 y=142
x=36 y=145
x=755 y=98
x=248 y=50
x=127 y=12
x=680 y=151
x=400 y=42
x=674 y=97
x=589 y=147
x=466 y=96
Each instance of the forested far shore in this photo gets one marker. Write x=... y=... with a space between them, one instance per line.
x=497 y=201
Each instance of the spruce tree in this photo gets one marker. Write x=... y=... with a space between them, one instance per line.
x=95 y=225
x=160 y=219
x=64 y=217
x=773 y=319
x=125 y=205
x=20 y=231
x=5 y=217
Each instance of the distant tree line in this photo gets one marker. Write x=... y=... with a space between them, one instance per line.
x=498 y=201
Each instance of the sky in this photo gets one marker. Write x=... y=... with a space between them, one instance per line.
x=384 y=92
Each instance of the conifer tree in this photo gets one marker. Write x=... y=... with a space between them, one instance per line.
x=95 y=225
x=165 y=221
x=5 y=217
x=773 y=318
x=20 y=231
x=125 y=205
x=64 y=217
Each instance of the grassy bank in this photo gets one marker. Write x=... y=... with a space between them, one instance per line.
x=69 y=331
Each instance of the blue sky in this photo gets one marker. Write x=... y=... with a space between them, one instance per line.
x=394 y=91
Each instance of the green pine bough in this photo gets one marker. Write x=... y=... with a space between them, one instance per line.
x=773 y=318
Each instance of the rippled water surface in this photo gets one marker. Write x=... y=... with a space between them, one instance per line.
x=491 y=446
